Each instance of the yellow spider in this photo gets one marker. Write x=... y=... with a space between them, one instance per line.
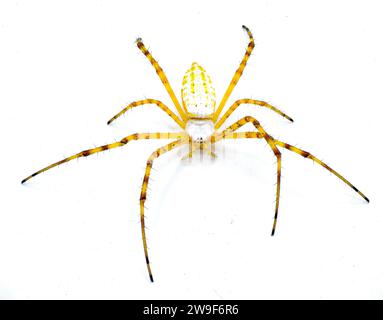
x=199 y=120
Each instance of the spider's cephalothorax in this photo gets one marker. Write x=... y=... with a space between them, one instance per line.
x=200 y=120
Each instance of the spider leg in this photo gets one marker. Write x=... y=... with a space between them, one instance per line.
x=239 y=135
x=271 y=143
x=232 y=135
x=149 y=165
x=163 y=78
x=237 y=103
x=150 y=101
x=237 y=75
x=308 y=155
x=122 y=142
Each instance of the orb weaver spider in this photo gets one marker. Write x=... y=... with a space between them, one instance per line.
x=200 y=120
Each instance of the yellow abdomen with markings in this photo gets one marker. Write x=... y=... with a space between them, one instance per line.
x=198 y=94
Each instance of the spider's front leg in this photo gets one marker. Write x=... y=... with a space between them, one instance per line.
x=149 y=165
x=122 y=142
x=150 y=101
x=270 y=141
x=308 y=155
x=230 y=134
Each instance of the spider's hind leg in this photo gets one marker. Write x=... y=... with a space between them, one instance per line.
x=163 y=78
x=237 y=74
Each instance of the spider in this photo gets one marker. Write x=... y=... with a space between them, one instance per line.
x=200 y=121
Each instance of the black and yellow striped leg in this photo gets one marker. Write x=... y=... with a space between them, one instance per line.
x=150 y=101
x=235 y=126
x=308 y=155
x=122 y=142
x=237 y=103
x=237 y=74
x=149 y=165
x=238 y=135
x=163 y=78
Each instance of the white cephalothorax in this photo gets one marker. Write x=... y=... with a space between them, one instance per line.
x=199 y=130
x=198 y=94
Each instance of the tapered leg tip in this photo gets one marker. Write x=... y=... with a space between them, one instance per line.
x=151 y=278
x=23 y=181
x=272 y=232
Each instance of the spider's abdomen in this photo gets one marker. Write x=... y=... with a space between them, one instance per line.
x=198 y=94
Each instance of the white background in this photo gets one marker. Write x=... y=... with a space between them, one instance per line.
x=67 y=66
